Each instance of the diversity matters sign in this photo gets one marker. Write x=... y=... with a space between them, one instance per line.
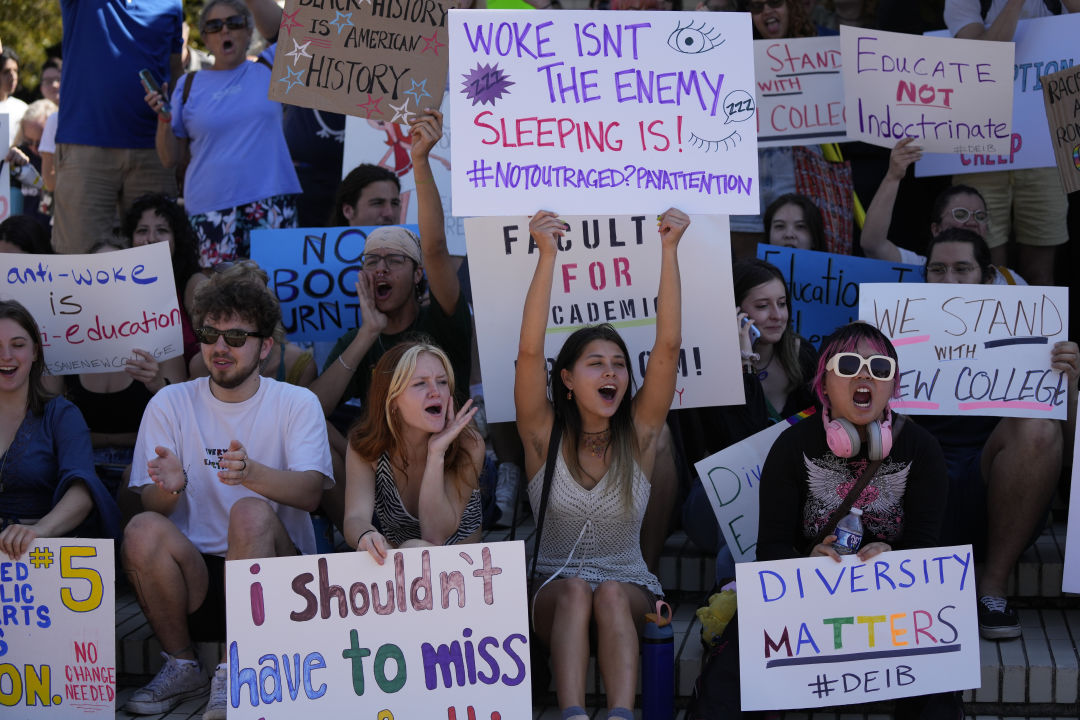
x=380 y=60
x=800 y=92
x=973 y=349
x=824 y=287
x=607 y=271
x=313 y=274
x=815 y=632
x=58 y=642
x=951 y=95
x=1043 y=46
x=602 y=112
x=1061 y=95
x=93 y=310
x=438 y=632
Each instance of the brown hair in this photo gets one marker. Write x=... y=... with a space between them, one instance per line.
x=37 y=394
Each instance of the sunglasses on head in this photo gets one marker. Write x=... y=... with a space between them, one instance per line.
x=234 y=337
x=849 y=364
x=962 y=214
x=233 y=22
x=756 y=8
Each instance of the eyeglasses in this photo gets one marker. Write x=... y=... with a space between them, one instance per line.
x=370 y=261
x=941 y=269
x=962 y=214
x=233 y=22
x=234 y=337
x=756 y=8
x=849 y=364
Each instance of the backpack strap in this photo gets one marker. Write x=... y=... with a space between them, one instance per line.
x=187 y=87
x=263 y=61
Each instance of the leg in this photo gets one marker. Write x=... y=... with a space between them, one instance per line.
x=619 y=610
x=256 y=532
x=662 y=497
x=144 y=174
x=169 y=577
x=1036 y=263
x=1040 y=214
x=571 y=601
x=88 y=182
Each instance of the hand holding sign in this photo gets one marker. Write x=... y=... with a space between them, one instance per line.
x=902 y=155
x=547 y=230
x=673 y=224
x=425 y=130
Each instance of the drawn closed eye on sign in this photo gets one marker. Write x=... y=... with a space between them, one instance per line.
x=726 y=143
x=694 y=38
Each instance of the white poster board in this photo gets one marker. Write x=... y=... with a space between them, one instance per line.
x=388 y=145
x=973 y=349
x=434 y=632
x=5 y=173
x=1070 y=581
x=814 y=632
x=950 y=95
x=602 y=112
x=1043 y=46
x=93 y=310
x=58 y=637
x=731 y=477
x=608 y=271
x=800 y=91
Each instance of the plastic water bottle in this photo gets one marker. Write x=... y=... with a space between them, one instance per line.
x=849 y=533
x=27 y=175
x=658 y=665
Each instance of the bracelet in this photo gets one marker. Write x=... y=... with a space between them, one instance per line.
x=342 y=361
x=369 y=530
x=182 y=487
x=164 y=119
x=750 y=355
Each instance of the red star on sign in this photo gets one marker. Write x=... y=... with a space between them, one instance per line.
x=432 y=43
x=372 y=105
x=289 y=21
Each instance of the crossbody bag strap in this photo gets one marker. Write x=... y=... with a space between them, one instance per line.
x=545 y=491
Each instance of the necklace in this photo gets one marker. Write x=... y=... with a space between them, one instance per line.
x=597 y=442
x=763 y=371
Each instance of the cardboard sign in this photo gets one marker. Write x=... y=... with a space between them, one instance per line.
x=1043 y=46
x=58 y=643
x=601 y=112
x=1070 y=581
x=5 y=173
x=93 y=310
x=438 y=632
x=951 y=95
x=730 y=478
x=1061 y=95
x=973 y=349
x=607 y=271
x=814 y=632
x=313 y=274
x=381 y=61
x=388 y=145
x=825 y=287
x=800 y=92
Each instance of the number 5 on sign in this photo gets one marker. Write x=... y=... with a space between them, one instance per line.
x=93 y=599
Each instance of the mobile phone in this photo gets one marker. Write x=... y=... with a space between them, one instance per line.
x=754 y=332
x=150 y=84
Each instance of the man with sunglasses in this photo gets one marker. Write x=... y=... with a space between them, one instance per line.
x=228 y=467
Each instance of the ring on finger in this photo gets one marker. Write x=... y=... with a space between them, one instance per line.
x=244 y=466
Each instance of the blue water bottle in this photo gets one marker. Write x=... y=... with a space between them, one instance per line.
x=658 y=665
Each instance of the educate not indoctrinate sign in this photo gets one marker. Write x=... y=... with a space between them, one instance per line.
x=952 y=96
x=58 y=643
x=814 y=632
x=602 y=112
x=437 y=632
x=93 y=310
x=973 y=349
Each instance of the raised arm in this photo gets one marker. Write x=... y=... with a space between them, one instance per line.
x=875 y=240
x=267 y=16
x=426 y=130
x=534 y=412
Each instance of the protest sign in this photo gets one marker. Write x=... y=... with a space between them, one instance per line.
x=815 y=632
x=313 y=275
x=601 y=112
x=730 y=478
x=951 y=95
x=824 y=287
x=1043 y=46
x=800 y=92
x=1070 y=581
x=607 y=271
x=93 y=310
x=58 y=643
x=973 y=349
x=1061 y=96
x=388 y=145
x=5 y=173
x=383 y=61
x=437 y=632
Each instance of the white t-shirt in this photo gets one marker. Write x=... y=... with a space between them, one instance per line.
x=14 y=108
x=961 y=13
x=914 y=258
x=281 y=426
x=48 y=134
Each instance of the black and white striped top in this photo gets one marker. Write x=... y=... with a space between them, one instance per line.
x=395 y=521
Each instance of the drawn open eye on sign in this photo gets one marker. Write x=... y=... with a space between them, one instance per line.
x=694 y=38
x=725 y=143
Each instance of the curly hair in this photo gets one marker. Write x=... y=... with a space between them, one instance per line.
x=247 y=297
x=185 y=257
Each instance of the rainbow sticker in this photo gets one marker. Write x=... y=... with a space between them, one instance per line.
x=1076 y=157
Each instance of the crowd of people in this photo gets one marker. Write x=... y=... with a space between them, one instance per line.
x=226 y=451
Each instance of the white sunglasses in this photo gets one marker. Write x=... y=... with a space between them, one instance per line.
x=849 y=364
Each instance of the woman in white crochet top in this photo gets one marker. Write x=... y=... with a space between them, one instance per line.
x=589 y=554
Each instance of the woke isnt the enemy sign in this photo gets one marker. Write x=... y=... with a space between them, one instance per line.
x=602 y=112
x=815 y=632
x=438 y=632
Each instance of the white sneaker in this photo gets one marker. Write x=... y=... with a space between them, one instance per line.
x=219 y=694
x=177 y=680
x=506 y=488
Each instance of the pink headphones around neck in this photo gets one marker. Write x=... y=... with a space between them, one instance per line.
x=843 y=437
